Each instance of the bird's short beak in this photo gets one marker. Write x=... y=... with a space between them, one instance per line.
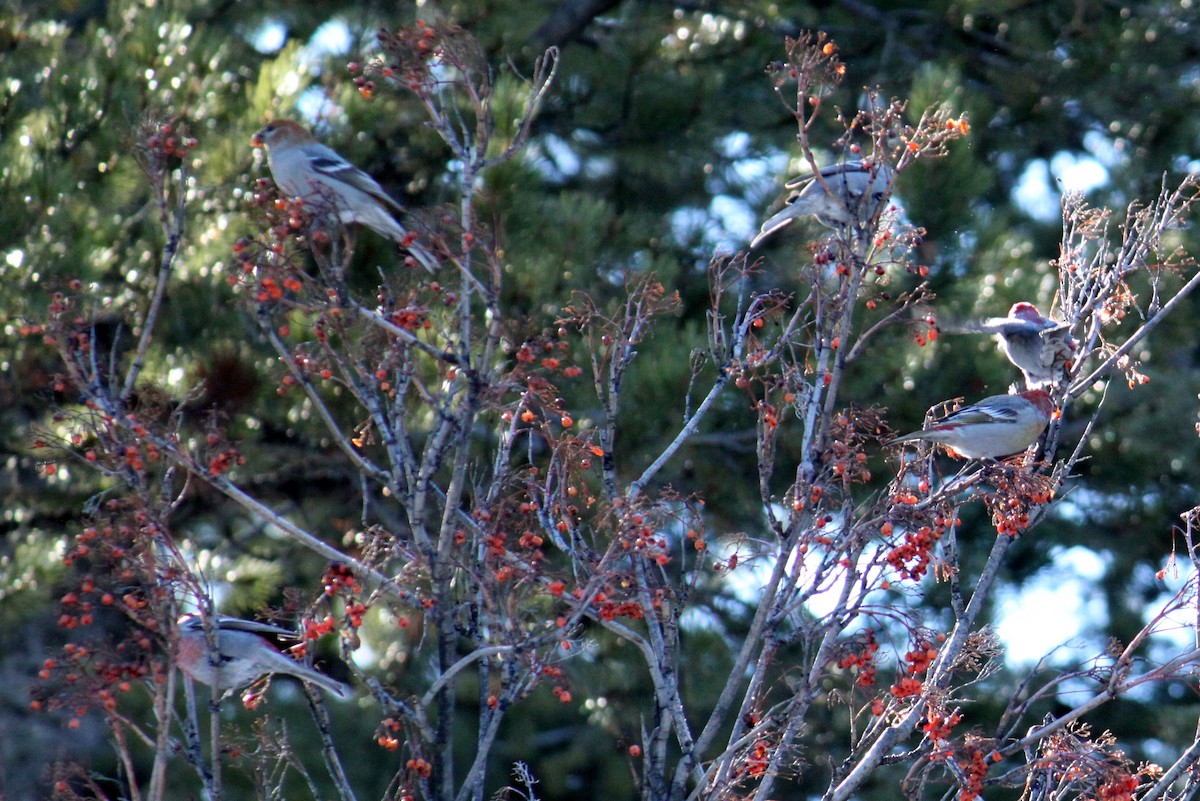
x=257 y=140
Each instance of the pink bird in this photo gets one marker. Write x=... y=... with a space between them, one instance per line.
x=856 y=190
x=1041 y=348
x=997 y=426
x=242 y=655
x=305 y=168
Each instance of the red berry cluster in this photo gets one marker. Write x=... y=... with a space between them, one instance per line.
x=610 y=610
x=552 y=672
x=120 y=624
x=315 y=629
x=918 y=659
x=162 y=146
x=387 y=731
x=861 y=657
x=410 y=318
x=518 y=512
x=340 y=580
x=420 y=767
x=973 y=765
x=849 y=433
x=261 y=262
x=537 y=366
x=812 y=55
x=757 y=760
x=642 y=535
x=88 y=678
x=912 y=557
x=169 y=139
x=930 y=332
x=1118 y=787
x=938 y=726
x=410 y=54
x=1016 y=495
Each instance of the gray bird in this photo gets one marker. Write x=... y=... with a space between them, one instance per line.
x=242 y=655
x=1041 y=348
x=305 y=168
x=856 y=191
x=997 y=426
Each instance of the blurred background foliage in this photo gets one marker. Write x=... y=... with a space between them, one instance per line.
x=661 y=143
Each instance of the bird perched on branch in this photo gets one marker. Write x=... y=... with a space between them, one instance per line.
x=997 y=426
x=1041 y=348
x=839 y=195
x=242 y=655
x=305 y=168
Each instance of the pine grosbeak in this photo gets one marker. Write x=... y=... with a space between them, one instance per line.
x=1041 y=348
x=242 y=655
x=305 y=168
x=997 y=426
x=844 y=194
